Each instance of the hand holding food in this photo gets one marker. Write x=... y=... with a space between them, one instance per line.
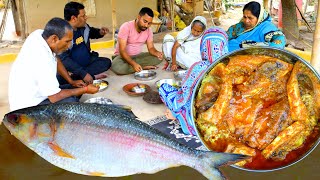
x=92 y=89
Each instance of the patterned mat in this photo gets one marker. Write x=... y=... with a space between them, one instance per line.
x=172 y=128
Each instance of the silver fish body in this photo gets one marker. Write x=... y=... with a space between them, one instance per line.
x=104 y=140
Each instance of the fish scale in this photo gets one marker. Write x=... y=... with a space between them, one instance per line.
x=106 y=140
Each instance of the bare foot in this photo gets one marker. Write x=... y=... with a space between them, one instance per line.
x=150 y=67
x=169 y=115
x=100 y=76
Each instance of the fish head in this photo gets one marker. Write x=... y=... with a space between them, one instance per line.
x=26 y=128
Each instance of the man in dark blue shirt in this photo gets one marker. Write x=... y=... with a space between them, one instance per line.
x=79 y=59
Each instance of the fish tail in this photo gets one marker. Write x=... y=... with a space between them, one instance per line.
x=211 y=161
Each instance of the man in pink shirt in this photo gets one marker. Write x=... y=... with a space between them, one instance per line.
x=132 y=35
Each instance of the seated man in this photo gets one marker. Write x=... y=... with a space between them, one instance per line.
x=131 y=37
x=79 y=60
x=32 y=79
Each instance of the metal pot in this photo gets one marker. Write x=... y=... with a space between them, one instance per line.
x=284 y=55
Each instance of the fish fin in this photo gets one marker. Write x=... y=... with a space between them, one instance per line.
x=96 y=174
x=125 y=109
x=53 y=128
x=59 y=151
x=212 y=160
x=33 y=130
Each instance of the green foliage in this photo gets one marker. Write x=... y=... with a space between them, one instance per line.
x=228 y=4
x=3 y=3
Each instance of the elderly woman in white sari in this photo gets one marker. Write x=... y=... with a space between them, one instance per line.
x=184 y=50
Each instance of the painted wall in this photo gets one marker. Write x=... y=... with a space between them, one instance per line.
x=38 y=12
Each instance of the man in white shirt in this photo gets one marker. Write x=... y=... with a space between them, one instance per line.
x=32 y=79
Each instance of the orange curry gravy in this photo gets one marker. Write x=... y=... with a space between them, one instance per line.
x=267 y=91
x=261 y=163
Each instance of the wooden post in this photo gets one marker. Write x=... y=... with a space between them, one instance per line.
x=4 y=20
x=16 y=19
x=315 y=57
x=172 y=15
x=114 y=20
x=290 y=20
x=22 y=18
x=270 y=7
x=266 y=5
x=194 y=3
x=161 y=7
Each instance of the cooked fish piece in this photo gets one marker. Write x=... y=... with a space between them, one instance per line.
x=241 y=66
x=303 y=97
x=210 y=88
x=241 y=116
x=268 y=124
x=215 y=113
x=239 y=148
x=289 y=139
x=298 y=110
x=268 y=80
x=246 y=103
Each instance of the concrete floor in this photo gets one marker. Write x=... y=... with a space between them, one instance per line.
x=114 y=92
x=143 y=110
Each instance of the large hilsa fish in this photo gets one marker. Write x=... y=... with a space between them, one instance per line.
x=104 y=140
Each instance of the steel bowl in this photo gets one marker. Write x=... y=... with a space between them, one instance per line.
x=145 y=75
x=172 y=82
x=179 y=75
x=102 y=84
x=283 y=55
x=99 y=100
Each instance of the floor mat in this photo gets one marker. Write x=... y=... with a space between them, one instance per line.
x=173 y=129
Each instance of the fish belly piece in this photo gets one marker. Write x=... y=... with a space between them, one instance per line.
x=241 y=115
x=298 y=110
x=289 y=139
x=267 y=126
x=304 y=95
x=210 y=88
x=215 y=113
x=241 y=66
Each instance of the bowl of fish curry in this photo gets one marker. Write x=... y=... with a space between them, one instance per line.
x=261 y=102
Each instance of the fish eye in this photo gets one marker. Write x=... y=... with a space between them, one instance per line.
x=13 y=119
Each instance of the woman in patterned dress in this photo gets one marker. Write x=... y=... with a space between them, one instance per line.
x=214 y=44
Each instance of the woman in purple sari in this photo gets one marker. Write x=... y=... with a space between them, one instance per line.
x=214 y=44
